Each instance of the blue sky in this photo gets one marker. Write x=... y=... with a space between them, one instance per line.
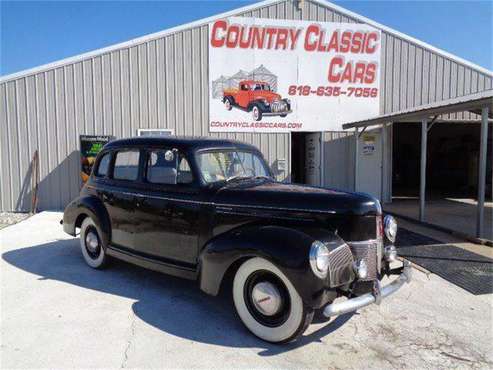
x=35 y=33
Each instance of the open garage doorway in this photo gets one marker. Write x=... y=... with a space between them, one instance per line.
x=298 y=145
x=306 y=158
x=452 y=164
x=451 y=174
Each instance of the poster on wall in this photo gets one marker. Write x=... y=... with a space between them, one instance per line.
x=90 y=146
x=368 y=144
x=268 y=75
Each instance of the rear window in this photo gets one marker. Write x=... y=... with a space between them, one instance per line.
x=126 y=165
x=104 y=165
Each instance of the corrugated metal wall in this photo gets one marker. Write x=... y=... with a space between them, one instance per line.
x=164 y=83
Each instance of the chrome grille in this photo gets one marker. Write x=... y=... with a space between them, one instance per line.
x=340 y=265
x=278 y=106
x=367 y=251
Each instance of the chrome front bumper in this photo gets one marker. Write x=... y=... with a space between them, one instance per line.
x=376 y=296
x=276 y=113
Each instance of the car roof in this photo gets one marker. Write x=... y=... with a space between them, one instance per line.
x=255 y=82
x=184 y=143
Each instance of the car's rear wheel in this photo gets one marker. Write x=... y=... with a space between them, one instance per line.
x=91 y=245
x=267 y=302
x=256 y=113
x=227 y=104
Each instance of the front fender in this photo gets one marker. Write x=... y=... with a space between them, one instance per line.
x=287 y=248
x=87 y=206
x=264 y=108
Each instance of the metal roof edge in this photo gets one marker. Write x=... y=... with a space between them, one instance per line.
x=401 y=35
x=203 y=21
x=484 y=96
x=135 y=41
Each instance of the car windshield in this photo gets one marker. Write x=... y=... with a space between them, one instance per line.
x=262 y=87
x=226 y=165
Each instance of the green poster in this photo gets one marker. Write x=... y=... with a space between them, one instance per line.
x=90 y=146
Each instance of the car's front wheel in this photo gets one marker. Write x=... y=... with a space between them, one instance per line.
x=91 y=245
x=256 y=113
x=267 y=302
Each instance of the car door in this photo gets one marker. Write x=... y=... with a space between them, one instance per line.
x=170 y=209
x=243 y=97
x=119 y=196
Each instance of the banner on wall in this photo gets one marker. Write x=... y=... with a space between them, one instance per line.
x=269 y=75
x=90 y=146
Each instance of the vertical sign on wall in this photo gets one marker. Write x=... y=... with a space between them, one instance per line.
x=268 y=75
x=90 y=146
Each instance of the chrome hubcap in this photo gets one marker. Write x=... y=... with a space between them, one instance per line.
x=266 y=298
x=255 y=112
x=92 y=242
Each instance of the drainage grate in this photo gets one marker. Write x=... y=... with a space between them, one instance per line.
x=463 y=268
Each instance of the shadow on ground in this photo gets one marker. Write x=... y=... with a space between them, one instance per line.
x=173 y=305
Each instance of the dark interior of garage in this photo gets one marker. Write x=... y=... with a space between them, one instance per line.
x=452 y=160
x=298 y=146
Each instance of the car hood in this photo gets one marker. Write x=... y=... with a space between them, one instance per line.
x=293 y=197
x=269 y=95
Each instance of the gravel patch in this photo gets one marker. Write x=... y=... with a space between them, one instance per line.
x=10 y=218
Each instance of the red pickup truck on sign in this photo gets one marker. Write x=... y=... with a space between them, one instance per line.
x=258 y=98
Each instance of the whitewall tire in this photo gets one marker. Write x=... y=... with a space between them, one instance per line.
x=91 y=245
x=267 y=302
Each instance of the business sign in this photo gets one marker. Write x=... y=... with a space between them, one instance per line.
x=269 y=75
x=90 y=146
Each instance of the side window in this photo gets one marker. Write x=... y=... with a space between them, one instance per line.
x=104 y=165
x=126 y=165
x=161 y=168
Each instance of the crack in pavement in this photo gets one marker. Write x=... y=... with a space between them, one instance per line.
x=129 y=341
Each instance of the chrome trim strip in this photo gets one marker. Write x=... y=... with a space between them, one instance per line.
x=362 y=242
x=364 y=300
x=219 y=204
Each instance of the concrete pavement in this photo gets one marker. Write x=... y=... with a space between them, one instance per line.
x=56 y=312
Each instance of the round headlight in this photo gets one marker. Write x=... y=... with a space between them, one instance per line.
x=319 y=259
x=390 y=228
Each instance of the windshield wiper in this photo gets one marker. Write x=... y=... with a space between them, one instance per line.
x=236 y=177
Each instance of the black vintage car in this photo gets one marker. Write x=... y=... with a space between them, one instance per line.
x=211 y=210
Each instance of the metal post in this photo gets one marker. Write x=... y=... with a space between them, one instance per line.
x=356 y=139
x=322 y=162
x=382 y=164
x=422 y=178
x=482 y=171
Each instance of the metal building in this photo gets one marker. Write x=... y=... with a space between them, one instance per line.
x=161 y=81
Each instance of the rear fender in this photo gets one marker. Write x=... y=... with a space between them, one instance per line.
x=87 y=206
x=287 y=248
